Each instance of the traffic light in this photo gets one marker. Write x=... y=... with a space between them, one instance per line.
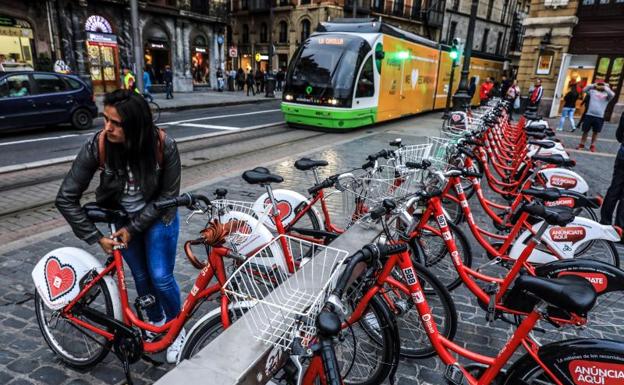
x=454 y=53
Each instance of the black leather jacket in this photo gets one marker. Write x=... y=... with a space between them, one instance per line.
x=165 y=183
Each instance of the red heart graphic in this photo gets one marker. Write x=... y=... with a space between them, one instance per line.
x=283 y=207
x=60 y=278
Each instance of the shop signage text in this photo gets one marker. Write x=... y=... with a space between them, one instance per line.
x=102 y=38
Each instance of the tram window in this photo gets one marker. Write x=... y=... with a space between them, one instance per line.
x=366 y=83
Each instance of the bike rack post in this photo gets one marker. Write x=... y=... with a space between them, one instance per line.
x=235 y=357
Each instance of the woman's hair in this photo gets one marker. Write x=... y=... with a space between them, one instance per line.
x=140 y=146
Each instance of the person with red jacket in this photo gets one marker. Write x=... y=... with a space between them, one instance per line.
x=485 y=90
x=536 y=94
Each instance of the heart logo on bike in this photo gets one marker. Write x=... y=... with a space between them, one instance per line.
x=284 y=208
x=60 y=278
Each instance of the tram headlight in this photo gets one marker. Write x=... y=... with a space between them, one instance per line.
x=333 y=101
x=288 y=97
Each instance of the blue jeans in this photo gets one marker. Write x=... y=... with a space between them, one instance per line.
x=151 y=257
x=567 y=112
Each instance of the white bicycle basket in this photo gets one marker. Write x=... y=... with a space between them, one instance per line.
x=285 y=305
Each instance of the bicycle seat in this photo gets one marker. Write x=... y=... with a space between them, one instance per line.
x=543 y=143
x=261 y=175
x=535 y=135
x=99 y=214
x=305 y=164
x=571 y=293
x=555 y=159
x=581 y=200
x=547 y=194
x=556 y=215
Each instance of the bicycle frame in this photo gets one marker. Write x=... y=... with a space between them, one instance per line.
x=200 y=291
x=444 y=347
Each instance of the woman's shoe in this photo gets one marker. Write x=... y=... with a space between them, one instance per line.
x=173 y=351
x=592 y=148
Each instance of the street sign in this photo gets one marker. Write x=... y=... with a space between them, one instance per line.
x=233 y=52
x=258 y=57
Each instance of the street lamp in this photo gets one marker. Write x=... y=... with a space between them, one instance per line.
x=461 y=99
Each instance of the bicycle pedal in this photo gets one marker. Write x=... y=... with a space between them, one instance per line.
x=454 y=375
x=145 y=301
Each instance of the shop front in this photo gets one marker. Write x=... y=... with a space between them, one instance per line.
x=103 y=54
x=157 y=53
x=16 y=43
x=200 y=61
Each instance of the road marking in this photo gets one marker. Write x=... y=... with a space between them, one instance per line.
x=217 y=117
x=42 y=139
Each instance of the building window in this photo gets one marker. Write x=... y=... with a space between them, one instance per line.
x=305 y=2
x=451 y=32
x=589 y=2
x=245 y=34
x=378 y=5
x=416 y=9
x=504 y=13
x=486 y=32
x=366 y=83
x=305 y=30
x=455 y=5
x=398 y=8
x=490 y=8
x=264 y=31
x=244 y=4
x=283 y=32
x=284 y=3
x=499 y=44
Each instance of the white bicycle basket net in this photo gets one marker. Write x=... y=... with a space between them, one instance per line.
x=284 y=305
x=246 y=220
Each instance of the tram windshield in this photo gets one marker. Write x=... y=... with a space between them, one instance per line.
x=324 y=68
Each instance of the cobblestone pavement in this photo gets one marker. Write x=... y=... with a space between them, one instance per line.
x=25 y=359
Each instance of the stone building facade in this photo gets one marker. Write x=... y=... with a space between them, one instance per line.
x=94 y=38
x=573 y=42
x=493 y=28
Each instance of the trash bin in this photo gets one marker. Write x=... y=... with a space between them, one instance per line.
x=269 y=86
x=230 y=83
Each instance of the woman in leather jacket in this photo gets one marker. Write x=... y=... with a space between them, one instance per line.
x=138 y=165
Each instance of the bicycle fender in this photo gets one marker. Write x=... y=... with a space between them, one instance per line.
x=564 y=179
x=287 y=202
x=603 y=276
x=259 y=236
x=57 y=277
x=564 y=240
x=576 y=362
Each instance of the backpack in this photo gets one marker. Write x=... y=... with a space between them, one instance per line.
x=159 y=153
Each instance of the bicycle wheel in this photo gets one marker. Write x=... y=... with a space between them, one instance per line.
x=76 y=346
x=436 y=256
x=204 y=334
x=413 y=337
x=155 y=108
x=452 y=208
x=599 y=250
x=365 y=350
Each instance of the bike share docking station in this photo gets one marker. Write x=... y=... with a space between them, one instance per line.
x=237 y=356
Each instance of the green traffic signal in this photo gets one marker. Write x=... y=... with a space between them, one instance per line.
x=453 y=55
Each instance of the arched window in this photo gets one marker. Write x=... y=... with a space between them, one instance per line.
x=305 y=30
x=283 y=32
x=264 y=33
x=245 y=34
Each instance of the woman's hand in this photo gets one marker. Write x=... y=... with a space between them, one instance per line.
x=124 y=235
x=108 y=244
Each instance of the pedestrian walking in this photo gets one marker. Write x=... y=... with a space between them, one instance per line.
x=512 y=96
x=600 y=95
x=139 y=165
x=615 y=193
x=505 y=84
x=484 y=91
x=220 y=80
x=250 y=83
x=240 y=79
x=128 y=80
x=168 y=78
x=279 y=78
x=472 y=88
x=569 y=106
x=259 y=81
x=535 y=95
x=147 y=85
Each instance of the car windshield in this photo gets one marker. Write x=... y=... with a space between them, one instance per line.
x=325 y=66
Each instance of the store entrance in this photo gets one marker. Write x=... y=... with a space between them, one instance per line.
x=103 y=66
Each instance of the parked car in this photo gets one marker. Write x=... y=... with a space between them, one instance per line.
x=32 y=98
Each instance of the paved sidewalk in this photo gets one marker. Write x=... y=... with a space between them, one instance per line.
x=184 y=100
x=27 y=360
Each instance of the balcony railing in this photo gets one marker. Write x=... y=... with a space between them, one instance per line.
x=362 y=7
x=217 y=9
x=413 y=12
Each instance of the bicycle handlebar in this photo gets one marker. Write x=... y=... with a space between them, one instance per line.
x=422 y=165
x=188 y=200
x=327 y=183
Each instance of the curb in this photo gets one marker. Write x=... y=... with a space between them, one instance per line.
x=208 y=105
